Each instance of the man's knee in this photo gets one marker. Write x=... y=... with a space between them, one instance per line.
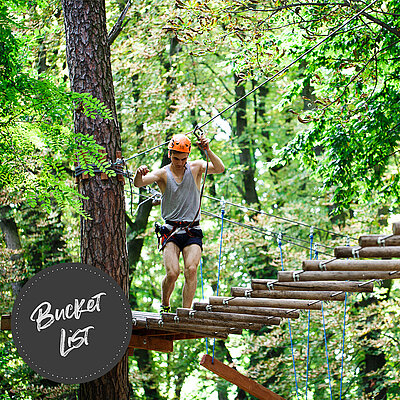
x=172 y=275
x=191 y=272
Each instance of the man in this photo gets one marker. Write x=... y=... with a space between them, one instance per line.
x=179 y=183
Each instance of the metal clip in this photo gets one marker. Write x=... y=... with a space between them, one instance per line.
x=223 y=203
x=322 y=266
x=356 y=253
x=381 y=241
x=176 y=319
x=247 y=293
x=296 y=276
x=208 y=307
x=191 y=313
x=270 y=285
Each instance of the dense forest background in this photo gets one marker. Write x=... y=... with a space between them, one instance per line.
x=312 y=155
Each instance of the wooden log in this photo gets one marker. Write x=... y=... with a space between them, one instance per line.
x=367 y=252
x=189 y=328
x=167 y=335
x=379 y=240
x=262 y=284
x=6 y=322
x=281 y=303
x=396 y=228
x=352 y=265
x=235 y=377
x=210 y=323
x=229 y=317
x=138 y=323
x=266 y=311
x=288 y=276
x=144 y=314
x=150 y=343
x=287 y=294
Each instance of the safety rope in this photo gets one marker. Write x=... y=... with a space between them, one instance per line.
x=202 y=186
x=309 y=315
x=326 y=349
x=219 y=258
x=308 y=349
x=265 y=232
x=290 y=327
x=299 y=223
x=202 y=292
x=343 y=339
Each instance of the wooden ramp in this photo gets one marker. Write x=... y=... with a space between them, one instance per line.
x=238 y=379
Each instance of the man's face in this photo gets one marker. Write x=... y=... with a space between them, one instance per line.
x=178 y=159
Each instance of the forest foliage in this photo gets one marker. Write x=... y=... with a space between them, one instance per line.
x=317 y=145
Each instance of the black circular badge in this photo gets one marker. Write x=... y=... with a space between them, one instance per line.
x=71 y=323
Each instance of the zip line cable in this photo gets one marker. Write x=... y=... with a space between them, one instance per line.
x=198 y=127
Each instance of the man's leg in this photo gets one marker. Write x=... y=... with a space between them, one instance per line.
x=171 y=263
x=191 y=258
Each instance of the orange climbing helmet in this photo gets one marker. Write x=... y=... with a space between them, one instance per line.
x=180 y=143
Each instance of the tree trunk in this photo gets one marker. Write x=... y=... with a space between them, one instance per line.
x=246 y=160
x=103 y=234
x=11 y=237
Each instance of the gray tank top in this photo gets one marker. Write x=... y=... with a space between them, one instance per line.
x=180 y=201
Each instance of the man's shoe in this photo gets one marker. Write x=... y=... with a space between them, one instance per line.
x=165 y=309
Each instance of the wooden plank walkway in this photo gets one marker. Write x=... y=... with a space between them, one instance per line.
x=267 y=302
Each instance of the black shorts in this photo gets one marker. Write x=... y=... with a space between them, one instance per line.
x=182 y=239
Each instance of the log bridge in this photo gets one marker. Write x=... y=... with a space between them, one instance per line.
x=268 y=301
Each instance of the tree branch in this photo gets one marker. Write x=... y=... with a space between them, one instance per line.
x=117 y=28
x=381 y=23
x=323 y=4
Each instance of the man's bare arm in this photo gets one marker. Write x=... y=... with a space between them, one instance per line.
x=144 y=177
x=215 y=165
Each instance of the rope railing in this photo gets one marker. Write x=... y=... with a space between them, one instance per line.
x=287 y=238
x=281 y=218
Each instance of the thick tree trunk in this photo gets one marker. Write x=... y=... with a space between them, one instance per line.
x=103 y=235
x=11 y=237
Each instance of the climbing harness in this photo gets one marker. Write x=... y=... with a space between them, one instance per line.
x=164 y=237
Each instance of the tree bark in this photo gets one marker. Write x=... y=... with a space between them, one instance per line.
x=103 y=234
